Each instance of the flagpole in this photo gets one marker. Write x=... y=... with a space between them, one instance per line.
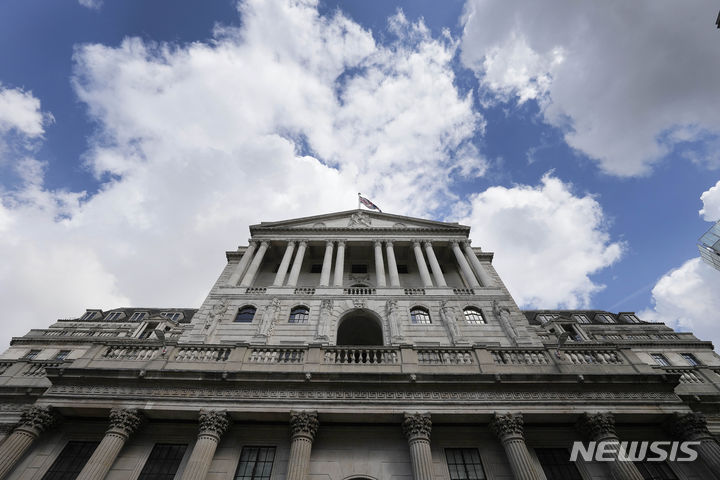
x=358 y=201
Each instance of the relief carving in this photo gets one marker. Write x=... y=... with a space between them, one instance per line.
x=125 y=421
x=417 y=426
x=391 y=310
x=503 y=316
x=324 y=320
x=269 y=318
x=507 y=425
x=213 y=423
x=304 y=424
x=448 y=316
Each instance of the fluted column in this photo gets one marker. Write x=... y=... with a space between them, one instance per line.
x=327 y=265
x=509 y=429
x=600 y=427
x=123 y=422
x=480 y=271
x=434 y=265
x=339 y=264
x=392 y=265
x=303 y=428
x=465 y=269
x=282 y=269
x=254 y=265
x=213 y=424
x=693 y=427
x=297 y=264
x=379 y=265
x=417 y=428
x=422 y=267
x=244 y=261
x=33 y=421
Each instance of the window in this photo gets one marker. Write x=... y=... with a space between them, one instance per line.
x=419 y=315
x=690 y=358
x=358 y=269
x=148 y=330
x=402 y=269
x=71 y=460
x=255 y=463
x=544 y=318
x=655 y=471
x=299 y=315
x=88 y=316
x=556 y=464
x=163 y=462
x=62 y=354
x=138 y=316
x=245 y=314
x=573 y=333
x=580 y=318
x=660 y=359
x=316 y=268
x=474 y=316
x=464 y=464
x=604 y=318
x=630 y=318
x=31 y=355
x=112 y=316
x=172 y=316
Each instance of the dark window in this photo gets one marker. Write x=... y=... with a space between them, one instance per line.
x=316 y=268
x=255 y=463
x=660 y=359
x=31 y=355
x=690 y=358
x=464 y=464
x=603 y=318
x=630 y=318
x=138 y=316
x=572 y=332
x=655 y=471
x=174 y=316
x=299 y=315
x=149 y=329
x=163 y=462
x=358 y=269
x=556 y=464
x=419 y=315
x=473 y=316
x=71 y=460
x=580 y=318
x=62 y=354
x=402 y=269
x=246 y=314
x=113 y=316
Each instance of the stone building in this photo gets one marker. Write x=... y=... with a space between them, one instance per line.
x=354 y=345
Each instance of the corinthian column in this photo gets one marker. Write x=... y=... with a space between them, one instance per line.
x=600 y=427
x=254 y=265
x=484 y=277
x=339 y=264
x=284 y=263
x=213 y=424
x=417 y=428
x=465 y=269
x=33 y=421
x=122 y=424
x=693 y=427
x=379 y=266
x=297 y=264
x=244 y=261
x=327 y=265
x=509 y=429
x=422 y=267
x=303 y=427
x=392 y=264
x=434 y=265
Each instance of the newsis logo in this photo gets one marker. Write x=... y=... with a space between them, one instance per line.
x=636 y=451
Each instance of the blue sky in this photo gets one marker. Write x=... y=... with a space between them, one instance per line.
x=576 y=139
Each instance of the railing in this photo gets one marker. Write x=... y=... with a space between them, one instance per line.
x=277 y=355
x=359 y=291
x=686 y=376
x=585 y=357
x=202 y=354
x=463 y=291
x=131 y=353
x=38 y=369
x=256 y=290
x=4 y=366
x=414 y=291
x=520 y=357
x=360 y=355
x=305 y=291
x=444 y=356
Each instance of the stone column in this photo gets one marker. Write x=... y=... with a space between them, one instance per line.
x=303 y=427
x=465 y=269
x=434 y=265
x=33 y=421
x=282 y=269
x=327 y=265
x=422 y=267
x=693 y=427
x=417 y=427
x=509 y=429
x=297 y=264
x=392 y=265
x=379 y=265
x=339 y=264
x=240 y=269
x=484 y=277
x=123 y=422
x=600 y=427
x=213 y=424
x=254 y=265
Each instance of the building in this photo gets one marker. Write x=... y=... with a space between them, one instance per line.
x=354 y=345
x=709 y=246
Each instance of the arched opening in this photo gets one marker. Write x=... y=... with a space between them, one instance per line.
x=359 y=327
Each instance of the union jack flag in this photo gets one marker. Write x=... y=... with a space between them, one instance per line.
x=368 y=203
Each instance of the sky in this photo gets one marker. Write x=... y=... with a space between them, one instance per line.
x=139 y=140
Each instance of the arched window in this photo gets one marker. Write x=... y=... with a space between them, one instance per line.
x=474 y=316
x=246 y=314
x=299 y=315
x=419 y=315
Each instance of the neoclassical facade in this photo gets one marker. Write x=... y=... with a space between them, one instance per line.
x=354 y=345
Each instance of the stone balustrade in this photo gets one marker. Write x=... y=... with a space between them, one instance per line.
x=202 y=354
x=520 y=357
x=132 y=352
x=445 y=356
x=361 y=355
x=359 y=291
x=276 y=355
x=586 y=357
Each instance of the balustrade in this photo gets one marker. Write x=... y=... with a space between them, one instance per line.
x=305 y=291
x=256 y=290
x=686 y=376
x=202 y=354
x=414 y=291
x=586 y=357
x=463 y=291
x=359 y=291
x=360 y=355
x=38 y=369
x=520 y=357
x=277 y=355
x=131 y=353
x=443 y=356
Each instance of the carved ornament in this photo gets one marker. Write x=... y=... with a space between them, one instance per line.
x=507 y=425
x=303 y=424
x=39 y=418
x=417 y=426
x=688 y=426
x=597 y=426
x=213 y=422
x=125 y=420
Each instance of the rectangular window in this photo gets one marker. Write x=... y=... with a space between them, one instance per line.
x=112 y=316
x=402 y=269
x=630 y=318
x=163 y=462
x=174 y=316
x=357 y=268
x=148 y=330
x=545 y=318
x=71 y=460
x=655 y=471
x=573 y=333
x=62 y=354
x=138 y=316
x=660 y=359
x=31 y=355
x=690 y=359
x=556 y=464
x=603 y=318
x=255 y=463
x=581 y=318
x=88 y=316
x=464 y=464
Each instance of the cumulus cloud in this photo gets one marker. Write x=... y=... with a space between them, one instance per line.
x=547 y=239
x=711 y=203
x=91 y=4
x=613 y=75
x=20 y=111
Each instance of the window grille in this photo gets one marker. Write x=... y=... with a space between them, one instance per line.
x=245 y=314
x=690 y=359
x=71 y=460
x=112 y=316
x=138 y=316
x=163 y=462
x=580 y=318
x=420 y=315
x=474 y=316
x=255 y=463
x=464 y=464
x=660 y=359
x=299 y=315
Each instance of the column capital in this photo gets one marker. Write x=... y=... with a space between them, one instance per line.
x=38 y=418
x=417 y=426
x=688 y=426
x=213 y=423
x=302 y=241
x=455 y=243
x=596 y=426
x=125 y=421
x=329 y=243
x=427 y=243
x=303 y=424
x=291 y=242
x=389 y=243
x=377 y=242
x=507 y=425
x=251 y=241
x=265 y=243
x=341 y=243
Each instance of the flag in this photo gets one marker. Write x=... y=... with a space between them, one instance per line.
x=368 y=203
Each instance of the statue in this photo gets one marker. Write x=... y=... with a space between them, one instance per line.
x=447 y=315
x=326 y=307
x=395 y=332
x=268 y=318
x=503 y=316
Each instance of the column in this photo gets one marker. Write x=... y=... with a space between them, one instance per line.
x=254 y=265
x=303 y=427
x=33 y=421
x=282 y=269
x=123 y=422
x=379 y=265
x=693 y=427
x=434 y=265
x=392 y=265
x=509 y=429
x=600 y=427
x=297 y=264
x=340 y=264
x=464 y=266
x=422 y=267
x=240 y=269
x=327 y=265
x=213 y=424
x=417 y=427
x=477 y=266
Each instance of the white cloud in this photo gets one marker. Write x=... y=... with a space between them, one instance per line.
x=92 y=4
x=20 y=112
x=547 y=241
x=711 y=203
x=614 y=75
